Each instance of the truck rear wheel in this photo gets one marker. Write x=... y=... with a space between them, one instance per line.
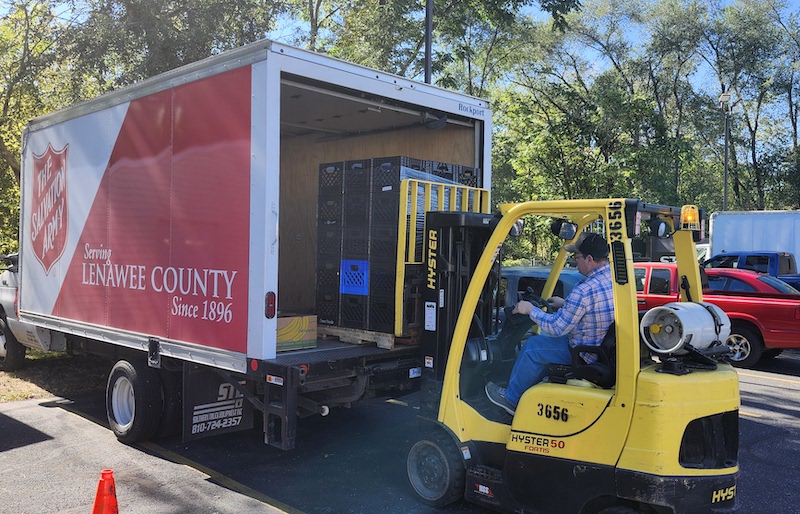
x=12 y=352
x=436 y=470
x=133 y=401
x=746 y=345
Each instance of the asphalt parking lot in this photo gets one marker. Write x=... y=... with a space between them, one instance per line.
x=51 y=458
x=52 y=453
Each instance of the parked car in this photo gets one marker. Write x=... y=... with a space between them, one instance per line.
x=792 y=279
x=764 y=312
x=746 y=281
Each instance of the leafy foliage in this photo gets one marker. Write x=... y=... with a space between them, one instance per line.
x=596 y=98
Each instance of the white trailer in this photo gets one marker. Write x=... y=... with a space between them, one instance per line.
x=754 y=231
x=167 y=224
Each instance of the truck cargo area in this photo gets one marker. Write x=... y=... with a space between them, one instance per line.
x=248 y=227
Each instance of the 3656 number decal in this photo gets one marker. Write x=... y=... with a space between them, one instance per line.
x=553 y=412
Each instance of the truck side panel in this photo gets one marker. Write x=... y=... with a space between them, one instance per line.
x=146 y=245
x=738 y=231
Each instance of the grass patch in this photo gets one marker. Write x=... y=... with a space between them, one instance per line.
x=47 y=374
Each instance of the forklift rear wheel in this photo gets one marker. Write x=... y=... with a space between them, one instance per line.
x=133 y=401
x=436 y=470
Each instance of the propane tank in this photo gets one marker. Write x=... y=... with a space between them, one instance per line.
x=669 y=328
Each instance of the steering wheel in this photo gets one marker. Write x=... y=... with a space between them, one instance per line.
x=529 y=296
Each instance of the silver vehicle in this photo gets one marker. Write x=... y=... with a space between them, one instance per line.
x=16 y=336
x=12 y=352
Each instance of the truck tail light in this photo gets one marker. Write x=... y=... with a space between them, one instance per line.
x=16 y=304
x=797 y=313
x=270 y=305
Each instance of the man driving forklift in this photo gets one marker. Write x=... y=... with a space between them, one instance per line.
x=582 y=318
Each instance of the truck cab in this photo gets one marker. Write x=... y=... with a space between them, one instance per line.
x=771 y=263
x=627 y=434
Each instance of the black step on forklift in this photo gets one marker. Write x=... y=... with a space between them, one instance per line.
x=651 y=427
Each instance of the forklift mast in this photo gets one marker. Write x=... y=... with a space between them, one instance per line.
x=454 y=243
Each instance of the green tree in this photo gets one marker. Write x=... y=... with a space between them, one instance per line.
x=122 y=41
x=31 y=43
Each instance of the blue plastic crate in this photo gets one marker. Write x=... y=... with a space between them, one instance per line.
x=354 y=278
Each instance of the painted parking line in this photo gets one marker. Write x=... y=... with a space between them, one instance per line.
x=787 y=380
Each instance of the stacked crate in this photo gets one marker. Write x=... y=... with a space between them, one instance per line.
x=387 y=174
x=357 y=227
x=354 y=267
x=330 y=216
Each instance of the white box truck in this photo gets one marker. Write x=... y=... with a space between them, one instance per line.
x=765 y=241
x=169 y=224
x=754 y=231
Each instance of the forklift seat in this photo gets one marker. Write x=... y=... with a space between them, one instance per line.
x=602 y=372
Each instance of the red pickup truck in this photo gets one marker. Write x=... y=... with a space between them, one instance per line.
x=762 y=323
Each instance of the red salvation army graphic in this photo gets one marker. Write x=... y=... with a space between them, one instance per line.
x=49 y=206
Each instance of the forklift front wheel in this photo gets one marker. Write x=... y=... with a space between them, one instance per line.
x=436 y=470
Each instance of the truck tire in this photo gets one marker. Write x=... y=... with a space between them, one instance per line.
x=133 y=401
x=436 y=470
x=746 y=345
x=12 y=352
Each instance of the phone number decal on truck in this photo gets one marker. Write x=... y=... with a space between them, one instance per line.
x=227 y=412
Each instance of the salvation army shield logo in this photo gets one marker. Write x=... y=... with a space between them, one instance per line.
x=48 y=215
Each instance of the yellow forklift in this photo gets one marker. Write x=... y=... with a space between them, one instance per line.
x=651 y=427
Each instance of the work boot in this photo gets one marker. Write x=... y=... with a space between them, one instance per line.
x=497 y=395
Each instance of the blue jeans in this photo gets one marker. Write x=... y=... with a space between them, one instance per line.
x=532 y=363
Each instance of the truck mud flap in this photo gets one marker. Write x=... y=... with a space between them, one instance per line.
x=214 y=403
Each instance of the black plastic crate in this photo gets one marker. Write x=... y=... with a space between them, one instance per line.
x=469 y=176
x=331 y=178
x=382 y=278
x=387 y=172
x=356 y=209
x=385 y=208
x=328 y=268
x=353 y=310
x=329 y=240
x=381 y=313
x=383 y=243
x=444 y=170
x=329 y=211
x=327 y=307
x=355 y=243
x=357 y=176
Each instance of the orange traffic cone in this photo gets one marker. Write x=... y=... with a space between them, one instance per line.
x=105 y=501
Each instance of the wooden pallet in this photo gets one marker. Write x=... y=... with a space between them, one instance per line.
x=357 y=336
